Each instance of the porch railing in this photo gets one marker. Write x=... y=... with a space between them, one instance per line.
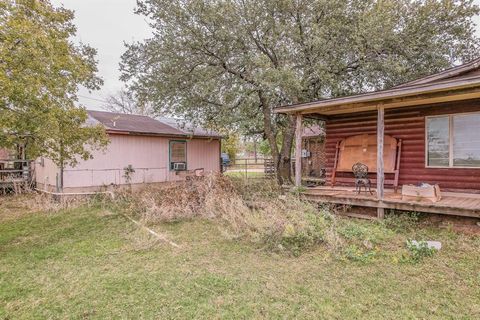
x=16 y=174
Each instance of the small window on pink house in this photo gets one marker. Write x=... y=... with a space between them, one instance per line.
x=178 y=155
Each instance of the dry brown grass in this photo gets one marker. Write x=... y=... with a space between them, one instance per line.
x=18 y=205
x=257 y=211
x=260 y=213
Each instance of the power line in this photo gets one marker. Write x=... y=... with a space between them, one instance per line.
x=94 y=99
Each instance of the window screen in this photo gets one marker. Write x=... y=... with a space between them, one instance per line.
x=178 y=152
x=466 y=140
x=438 y=140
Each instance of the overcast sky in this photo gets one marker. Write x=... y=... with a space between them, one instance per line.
x=106 y=25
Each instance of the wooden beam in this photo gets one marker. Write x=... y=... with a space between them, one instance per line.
x=380 y=167
x=461 y=87
x=298 y=151
x=316 y=116
x=417 y=100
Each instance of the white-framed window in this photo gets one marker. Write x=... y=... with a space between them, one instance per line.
x=453 y=141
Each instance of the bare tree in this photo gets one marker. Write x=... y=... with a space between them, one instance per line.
x=126 y=102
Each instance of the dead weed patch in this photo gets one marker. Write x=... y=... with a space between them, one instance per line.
x=258 y=212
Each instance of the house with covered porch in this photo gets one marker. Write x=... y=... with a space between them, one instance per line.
x=425 y=131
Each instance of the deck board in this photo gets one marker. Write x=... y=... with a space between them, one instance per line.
x=460 y=204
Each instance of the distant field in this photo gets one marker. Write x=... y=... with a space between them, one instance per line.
x=248 y=161
x=92 y=263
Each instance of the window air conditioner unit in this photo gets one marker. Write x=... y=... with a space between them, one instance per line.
x=179 y=166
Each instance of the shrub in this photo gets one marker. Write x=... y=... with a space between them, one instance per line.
x=353 y=231
x=401 y=222
x=418 y=251
x=290 y=225
x=359 y=254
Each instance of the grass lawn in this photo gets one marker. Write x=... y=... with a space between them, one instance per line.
x=92 y=263
x=243 y=174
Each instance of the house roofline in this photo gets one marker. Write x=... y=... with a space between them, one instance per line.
x=379 y=96
x=169 y=130
x=161 y=135
x=445 y=74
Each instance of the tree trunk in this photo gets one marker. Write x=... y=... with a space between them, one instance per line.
x=61 y=177
x=62 y=164
x=255 y=149
x=281 y=158
x=284 y=168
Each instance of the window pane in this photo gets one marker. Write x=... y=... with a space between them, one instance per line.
x=178 y=152
x=438 y=141
x=466 y=140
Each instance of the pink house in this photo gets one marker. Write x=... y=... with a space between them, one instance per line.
x=157 y=151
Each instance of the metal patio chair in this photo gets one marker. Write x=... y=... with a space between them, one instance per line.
x=360 y=171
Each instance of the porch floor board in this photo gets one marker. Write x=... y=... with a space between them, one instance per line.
x=457 y=204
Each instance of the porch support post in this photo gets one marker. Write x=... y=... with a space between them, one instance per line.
x=380 y=166
x=298 y=150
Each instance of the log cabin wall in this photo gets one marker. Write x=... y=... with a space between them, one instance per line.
x=407 y=124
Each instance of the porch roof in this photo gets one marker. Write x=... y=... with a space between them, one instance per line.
x=425 y=91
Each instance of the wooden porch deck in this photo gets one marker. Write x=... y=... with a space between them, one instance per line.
x=456 y=204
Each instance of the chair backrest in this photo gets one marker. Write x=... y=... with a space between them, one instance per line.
x=360 y=170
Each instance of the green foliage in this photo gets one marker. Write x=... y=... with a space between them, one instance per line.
x=264 y=148
x=358 y=254
x=71 y=140
x=352 y=231
x=230 y=146
x=40 y=71
x=361 y=241
x=418 y=251
x=250 y=144
x=296 y=240
x=402 y=220
x=227 y=64
x=298 y=190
